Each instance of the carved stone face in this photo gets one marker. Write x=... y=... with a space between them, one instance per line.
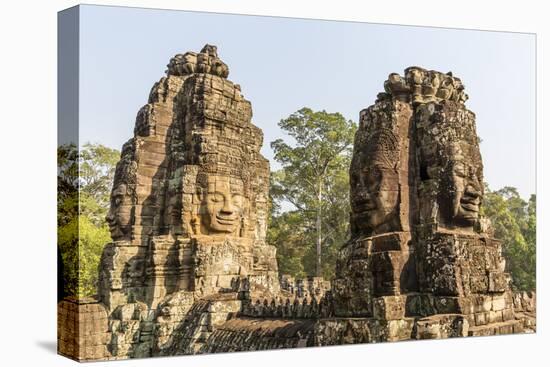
x=460 y=186
x=219 y=68
x=451 y=170
x=203 y=63
x=374 y=179
x=222 y=205
x=397 y=86
x=464 y=195
x=431 y=86
x=446 y=87
x=120 y=214
x=182 y=64
x=375 y=196
x=415 y=75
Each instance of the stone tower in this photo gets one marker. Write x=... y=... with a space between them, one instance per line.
x=421 y=262
x=189 y=203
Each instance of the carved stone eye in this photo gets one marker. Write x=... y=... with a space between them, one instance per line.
x=459 y=170
x=237 y=199
x=216 y=198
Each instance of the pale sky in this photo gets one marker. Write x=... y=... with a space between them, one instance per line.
x=284 y=64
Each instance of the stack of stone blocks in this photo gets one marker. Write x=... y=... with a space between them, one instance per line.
x=82 y=329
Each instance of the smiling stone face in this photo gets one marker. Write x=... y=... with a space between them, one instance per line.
x=374 y=176
x=375 y=197
x=119 y=217
x=465 y=191
x=223 y=204
x=451 y=170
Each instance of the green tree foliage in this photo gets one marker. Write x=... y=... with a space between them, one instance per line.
x=286 y=231
x=67 y=183
x=514 y=221
x=314 y=182
x=84 y=184
x=81 y=243
x=97 y=170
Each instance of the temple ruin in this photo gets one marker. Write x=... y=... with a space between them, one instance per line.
x=189 y=270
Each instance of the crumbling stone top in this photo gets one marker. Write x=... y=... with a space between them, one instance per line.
x=206 y=61
x=422 y=86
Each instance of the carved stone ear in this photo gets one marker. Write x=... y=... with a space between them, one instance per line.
x=194 y=224
x=201 y=194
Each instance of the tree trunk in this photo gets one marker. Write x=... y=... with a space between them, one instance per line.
x=318 y=269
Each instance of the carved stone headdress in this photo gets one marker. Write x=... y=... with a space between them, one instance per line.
x=383 y=149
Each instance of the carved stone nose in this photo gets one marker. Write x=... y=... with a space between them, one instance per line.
x=227 y=208
x=472 y=192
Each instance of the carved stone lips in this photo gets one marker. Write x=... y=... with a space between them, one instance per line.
x=470 y=207
x=365 y=207
x=113 y=228
x=364 y=204
x=226 y=220
x=470 y=202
